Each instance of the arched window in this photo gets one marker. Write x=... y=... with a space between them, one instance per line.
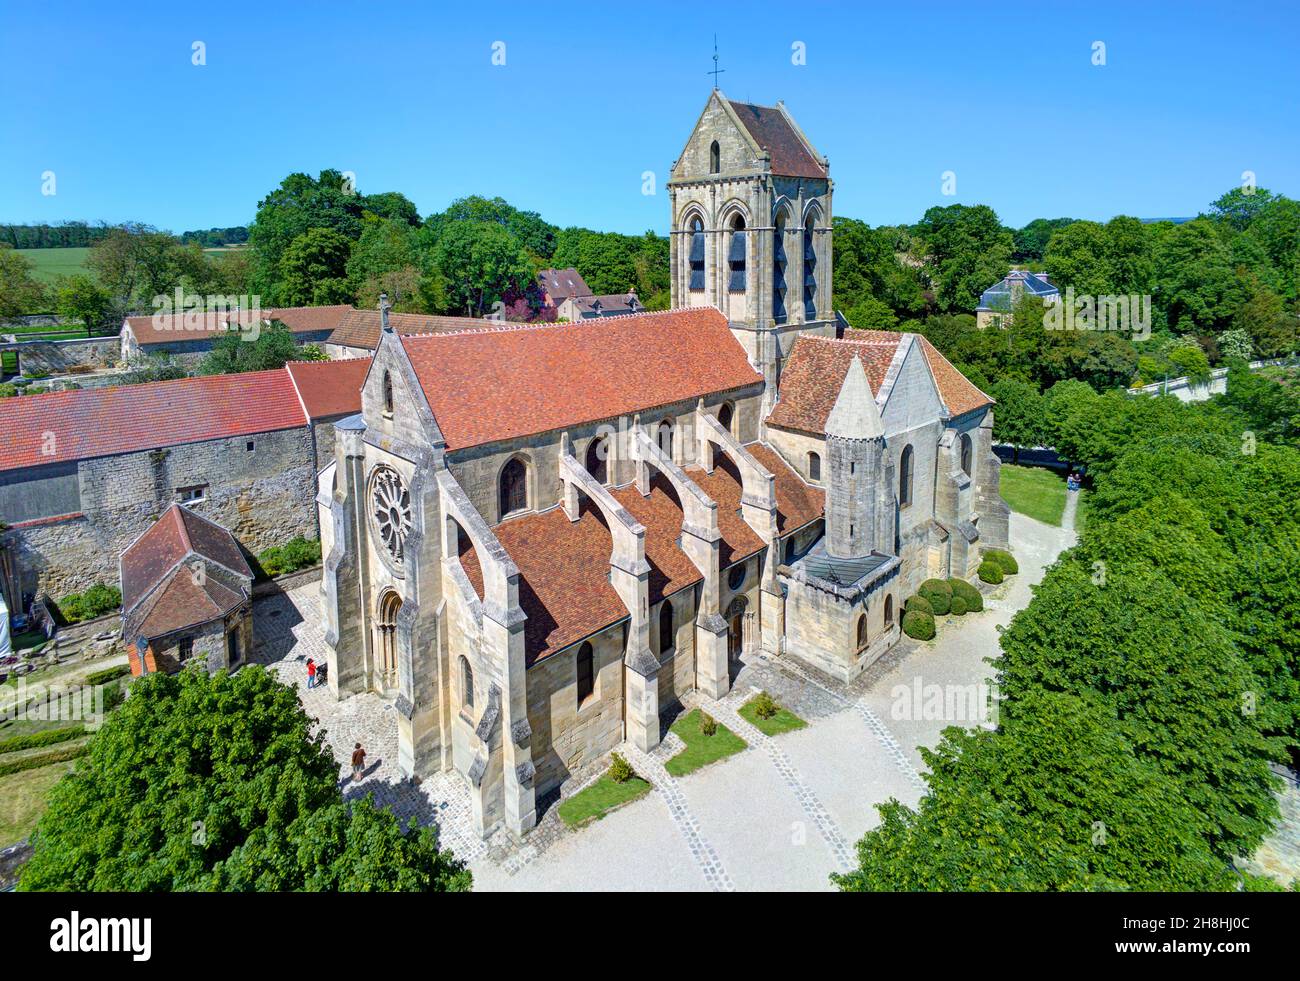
x=814 y=466
x=715 y=158
x=667 y=636
x=809 y=271
x=736 y=256
x=514 y=487
x=965 y=454
x=388 y=393
x=664 y=437
x=725 y=412
x=905 y=478
x=862 y=633
x=778 y=270
x=597 y=459
x=736 y=576
x=889 y=612
x=466 y=683
x=586 y=672
x=697 y=253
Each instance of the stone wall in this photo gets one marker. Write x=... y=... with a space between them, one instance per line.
x=58 y=357
x=264 y=496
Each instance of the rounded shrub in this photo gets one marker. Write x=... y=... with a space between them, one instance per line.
x=939 y=594
x=969 y=595
x=1005 y=560
x=918 y=625
x=958 y=607
x=620 y=770
x=990 y=572
x=918 y=603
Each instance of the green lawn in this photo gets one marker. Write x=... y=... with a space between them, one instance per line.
x=52 y=263
x=599 y=799
x=701 y=750
x=1035 y=492
x=22 y=799
x=783 y=721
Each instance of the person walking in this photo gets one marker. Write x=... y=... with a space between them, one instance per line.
x=311 y=673
x=358 y=762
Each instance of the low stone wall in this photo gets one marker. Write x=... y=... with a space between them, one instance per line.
x=58 y=357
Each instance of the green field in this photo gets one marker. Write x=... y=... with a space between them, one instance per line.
x=1034 y=492
x=53 y=263
x=22 y=799
x=701 y=750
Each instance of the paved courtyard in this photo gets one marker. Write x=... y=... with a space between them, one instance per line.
x=781 y=815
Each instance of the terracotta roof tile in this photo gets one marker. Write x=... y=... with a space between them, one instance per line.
x=61 y=426
x=768 y=125
x=329 y=388
x=360 y=328
x=171 y=328
x=814 y=373
x=499 y=383
x=797 y=502
x=955 y=388
x=181 y=603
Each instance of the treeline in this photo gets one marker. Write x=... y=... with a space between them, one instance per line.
x=214 y=238
x=1148 y=685
x=317 y=241
x=66 y=235
x=1223 y=284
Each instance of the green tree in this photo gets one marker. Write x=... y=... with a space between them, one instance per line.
x=1018 y=415
x=273 y=347
x=1077 y=256
x=78 y=297
x=481 y=262
x=20 y=292
x=968 y=251
x=313 y=269
x=1030 y=242
x=201 y=783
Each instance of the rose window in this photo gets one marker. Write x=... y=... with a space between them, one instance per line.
x=390 y=507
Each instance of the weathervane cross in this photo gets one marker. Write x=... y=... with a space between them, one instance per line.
x=716 y=70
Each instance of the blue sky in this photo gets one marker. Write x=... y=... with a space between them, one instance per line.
x=591 y=95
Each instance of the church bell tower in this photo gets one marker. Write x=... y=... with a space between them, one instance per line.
x=859 y=501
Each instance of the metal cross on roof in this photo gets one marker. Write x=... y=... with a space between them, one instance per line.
x=716 y=70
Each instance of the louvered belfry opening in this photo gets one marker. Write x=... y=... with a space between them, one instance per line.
x=778 y=271
x=697 y=254
x=736 y=256
x=809 y=272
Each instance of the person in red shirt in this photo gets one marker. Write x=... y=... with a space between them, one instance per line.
x=311 y=673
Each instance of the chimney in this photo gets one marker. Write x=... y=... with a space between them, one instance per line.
x=383 y=312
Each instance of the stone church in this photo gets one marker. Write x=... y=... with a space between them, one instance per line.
x=538 y=538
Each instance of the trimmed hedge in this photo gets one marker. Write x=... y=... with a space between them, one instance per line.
x=918 y=603
x=43 y=759
x=971 y=596
x=939 y=595
x=918 y=625
x=1005 y=560
x=108 y=674
x=990 y=572
x=297 y=553
x=47 y=737
x=958 y=607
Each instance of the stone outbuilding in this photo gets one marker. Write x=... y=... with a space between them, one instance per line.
x=186 y=594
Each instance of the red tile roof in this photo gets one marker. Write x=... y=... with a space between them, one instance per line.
x=62 y=426
x=814 y=373
x=768 y=125
x=329 y=389
x=171 y=328
x=797 y=502
x=160 y=595
x=503 y=382
x=360 y=328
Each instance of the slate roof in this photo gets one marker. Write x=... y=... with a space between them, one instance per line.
x=1000 y=296
x=171 y=328
x=57 y=427
x=772 y=130
x=561 y=283
x=502 y=382
x=160 y=595
x=329 y=389
x=611 y=304
x=360 y=328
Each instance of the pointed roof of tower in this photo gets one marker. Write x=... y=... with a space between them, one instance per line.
x=855 y=414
